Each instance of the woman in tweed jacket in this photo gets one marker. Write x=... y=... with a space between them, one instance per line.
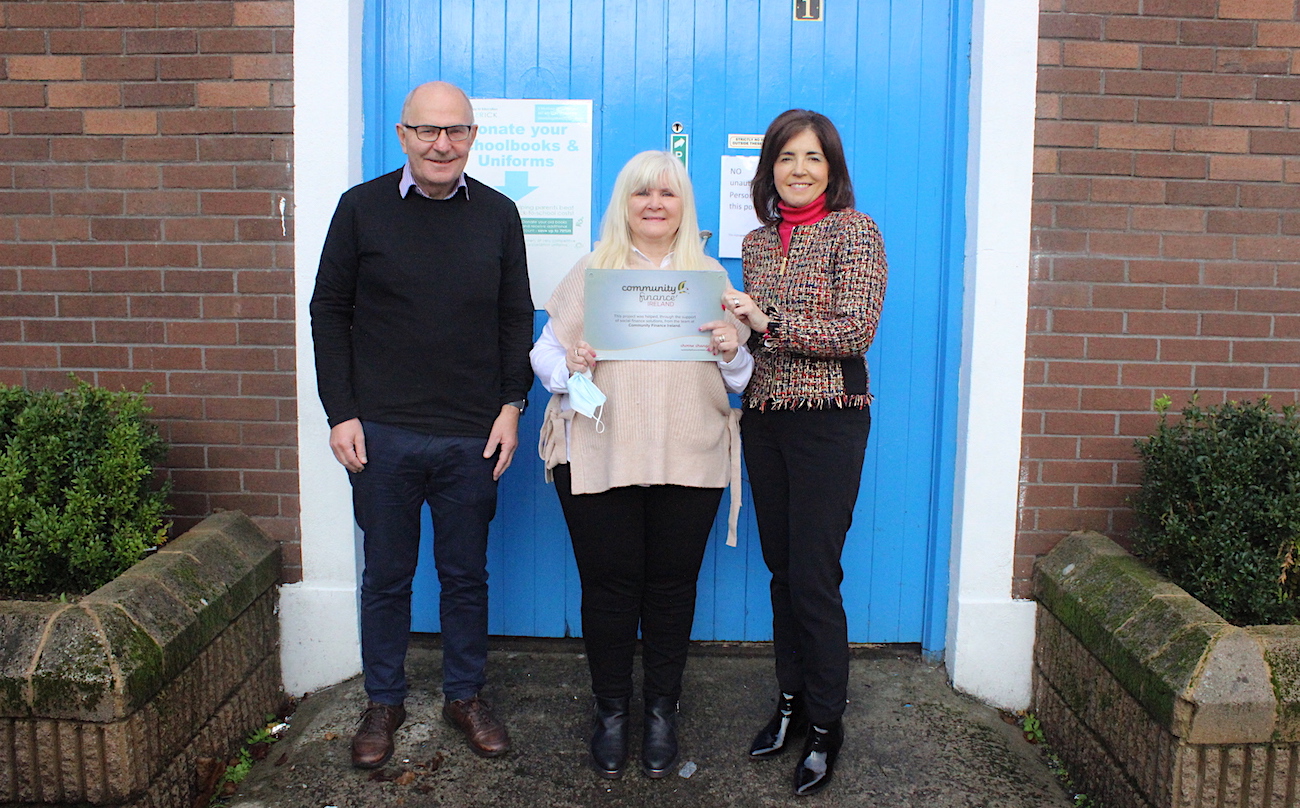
x=815 y=281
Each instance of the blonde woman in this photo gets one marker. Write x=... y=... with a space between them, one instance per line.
x=640 y=490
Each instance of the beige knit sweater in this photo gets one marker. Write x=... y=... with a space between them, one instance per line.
x=665 y=423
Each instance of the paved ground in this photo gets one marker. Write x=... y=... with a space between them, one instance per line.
x=911 y=741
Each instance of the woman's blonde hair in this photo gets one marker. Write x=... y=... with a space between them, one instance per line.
x=649 y=169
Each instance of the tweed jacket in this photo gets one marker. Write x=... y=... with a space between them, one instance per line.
x=825 y=296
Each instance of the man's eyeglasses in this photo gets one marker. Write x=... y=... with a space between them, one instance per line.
x=429 y=134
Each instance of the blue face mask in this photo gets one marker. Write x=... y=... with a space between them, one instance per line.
x=585 y=397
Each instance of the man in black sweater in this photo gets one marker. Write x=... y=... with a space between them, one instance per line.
x=422 y=320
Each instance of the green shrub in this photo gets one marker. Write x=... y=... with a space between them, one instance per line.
x=77 y=506
x=1219 y=508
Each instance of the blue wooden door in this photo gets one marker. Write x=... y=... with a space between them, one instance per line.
x=893 y=75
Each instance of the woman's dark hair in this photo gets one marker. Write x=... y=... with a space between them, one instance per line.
x=839 y=188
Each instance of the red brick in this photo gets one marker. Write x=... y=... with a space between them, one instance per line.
x=1059 y=241
x=234 y=94
x=238 y=256
x=28 y=149
x=79 y=305
x=22 y=95
x=1124 y=244
x=1268 y=248
x=264 y=230
x=93 y=356
x=135 y=330
x=1206 y=86
x=1166 y=218
x=85 y=42
x=1228 y=167
x=161 y=41
x=125 y=280
x=1159 y=375
x=54 y=228
x=269 y=121
x=261 y=281
x=120 y=122
x=218 y=203
x=162 y=255
x=1135 y=136
x=1277 y=88
x=124 y=175
x=168 y=358
x=1193 y=246
x=1105 y=189
x=1127 y=297
x=1161 y=324
x=203 y=384
x=1069 y=321
x=201 y=333
x=170 y=203
x=49 y=176
x=1201 y=193
x=1065 y=133
x=1129 y=82
x=1200 y=298
x=1213 y=139
x=155 y=94
x=282 y=94
x=195 y=14
x=131 y=229
x=1238 y=221
x=262 y=66
x=1112 y=399
x=90 y=202
x=269 y=384
x=1087 y=269
x=42 y=15
x=1068 y=80
x=1179 y=59
x=119 y=15
x=1184 y=112
x=1216 y=32
x=161 y=149
x=1100 y=54
x=1283 y=301
x=1090 y=161
x=242 y=409
x=194 y=68
x=1239 y=273
x=189 y=280
x=28 y=305
x=200 y=230
x=16 y=42
x=236 y=41
x=84 y=95
x=196 y=122
x=263 y=13
x=1182 y=166
x=1269 y=142
x=26 y=255
x=1281 y=352
x=24 y=202
x=1084 y=108
x=1140 y=29
x=1234 y=376
x=45 y=123
x=1249 y=113
x=1255 y=61
x=197 y=175
x=231 y=307
x=90 y=255
x=1124 y=348
x=1257 y=9
x=120 y=68
x=1193 y=350
x=1278 y=35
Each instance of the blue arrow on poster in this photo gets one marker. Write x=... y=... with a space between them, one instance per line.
x=516 y=186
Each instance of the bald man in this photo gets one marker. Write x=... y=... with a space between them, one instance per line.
x=422 y=320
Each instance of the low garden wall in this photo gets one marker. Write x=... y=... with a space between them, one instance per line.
x=1153 y=700
x=113 y=699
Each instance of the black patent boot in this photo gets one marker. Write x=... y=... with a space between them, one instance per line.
x=789 y=721
x=659 y=743
x=609 y=737
x=817 y=765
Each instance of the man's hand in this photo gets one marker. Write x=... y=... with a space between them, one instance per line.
x=504 y=436
x=348 y=442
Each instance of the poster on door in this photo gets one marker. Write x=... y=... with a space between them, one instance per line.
x=538 y=153
x=735 y=206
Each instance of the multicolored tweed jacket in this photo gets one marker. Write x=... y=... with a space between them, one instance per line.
x=827 y=294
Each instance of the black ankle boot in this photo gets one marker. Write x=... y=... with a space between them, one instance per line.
x=609 y=737
x=816 y=766
x=659 y=743
x=789 y=721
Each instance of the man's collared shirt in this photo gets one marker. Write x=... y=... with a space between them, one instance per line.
x=408 y=182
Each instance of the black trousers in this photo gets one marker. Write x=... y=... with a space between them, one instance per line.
x=804 y=470
x=639 y=550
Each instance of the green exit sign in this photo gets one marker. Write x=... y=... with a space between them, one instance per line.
x=680 y=146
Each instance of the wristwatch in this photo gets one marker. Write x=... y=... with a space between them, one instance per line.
x=522 y=404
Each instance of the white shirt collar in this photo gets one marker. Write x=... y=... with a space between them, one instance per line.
x=408 y=182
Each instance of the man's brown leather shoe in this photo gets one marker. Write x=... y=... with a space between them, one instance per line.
x=486 y=735
x=372 y=745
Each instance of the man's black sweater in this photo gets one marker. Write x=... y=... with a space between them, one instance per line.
x=422 y=317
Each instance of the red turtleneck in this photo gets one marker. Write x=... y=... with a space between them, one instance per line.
x=814 y=211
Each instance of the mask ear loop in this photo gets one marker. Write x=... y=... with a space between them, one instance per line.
x=600 y=425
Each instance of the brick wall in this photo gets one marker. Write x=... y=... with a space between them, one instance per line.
x=144 y=164
x=1165 y=250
